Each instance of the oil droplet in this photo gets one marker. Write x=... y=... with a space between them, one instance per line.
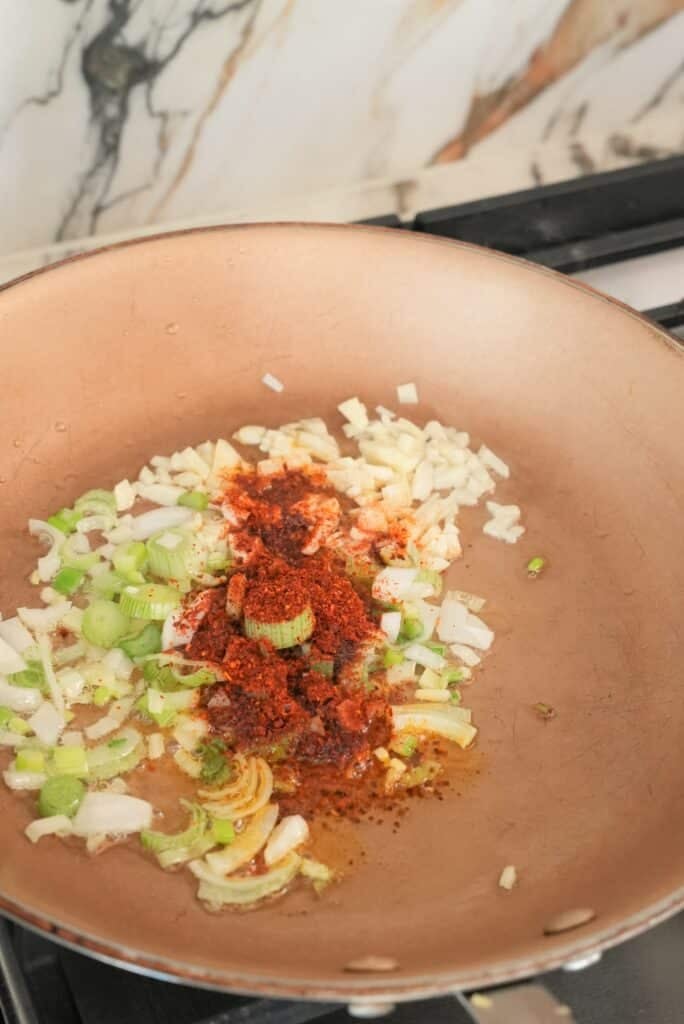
x=172 y=328
x=17 y=443
x=3 y=480
x=181 y=394
x=60 y=427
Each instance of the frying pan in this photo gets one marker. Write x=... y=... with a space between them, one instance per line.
x=146 y=347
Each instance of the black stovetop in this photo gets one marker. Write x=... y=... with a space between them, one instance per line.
x=640 y=982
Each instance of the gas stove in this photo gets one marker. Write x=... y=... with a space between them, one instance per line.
x=623 y=233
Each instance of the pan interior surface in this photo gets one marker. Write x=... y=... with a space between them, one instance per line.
x=146 y=348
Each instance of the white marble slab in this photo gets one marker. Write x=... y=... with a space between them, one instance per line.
x=119 y=115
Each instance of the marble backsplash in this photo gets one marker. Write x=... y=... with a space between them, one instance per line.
x=118 y=115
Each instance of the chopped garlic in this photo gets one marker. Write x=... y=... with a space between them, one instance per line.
x=407 y=394
x=508 y=877
x=124 y=495
x=272 y=382
x=355 y=412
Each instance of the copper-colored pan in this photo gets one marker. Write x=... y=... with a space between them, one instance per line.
x=145 y=347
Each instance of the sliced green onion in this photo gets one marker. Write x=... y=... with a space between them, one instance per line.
x=405 y=746
x=452 y=675
x=217 y=890
x=32 y=677
x=536 y=565
x=168 y=681
x=432 y=577
x=418 y=776
x=282 y=634
x=101 y=696
x=161 y=842
x=77 y=559
x=437 y=648
x=216 y=768
x=149 y=601
x=163 y=718
x=139 y=645
x=455 y=696
x=104 y=622
x=6 y=717
x=171 y=555
x=217 y=561
x=320 y=875
x=70 y=761
x=324 y=668
x=68 y=580
x=30 y=760
x=129 y=561
x=65 y=520
x=105 y=761
x=222 y=831
x=19 y=725
x=61 y=794
x=172 y=858
x=194 y=499
x=411 y=629
x=65 y=655
x=109 y=584
x=392 y=657
x=96 y=502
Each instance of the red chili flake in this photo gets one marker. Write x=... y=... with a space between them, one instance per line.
x=275 y=702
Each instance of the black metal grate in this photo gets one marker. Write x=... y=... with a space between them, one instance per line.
x=576 y=225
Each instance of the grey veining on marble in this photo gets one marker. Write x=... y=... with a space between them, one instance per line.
x=120 y=117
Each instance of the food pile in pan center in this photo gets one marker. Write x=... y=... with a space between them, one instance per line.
x=270 y=633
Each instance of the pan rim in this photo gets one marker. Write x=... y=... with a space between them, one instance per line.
x=370 y=988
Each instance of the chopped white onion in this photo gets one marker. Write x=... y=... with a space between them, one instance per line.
x=11 y=739
x=44 y=620
x=155 y=746
x=498 y=529
x=424 y=656
x=47 y=723
x=272 y=382
x=355 y=412
x=478 y=634
x=71 y=682
x=111 y=814
x=19 y=698
x=15 y=633
x=72 y=738
x=465 y=654
x=507 y=515
x=57 y=824
x=50 y=563
x=390 y=624
x=124 y=495
x=288 y=834
x=508 y=877
x=442 y=719
x=393 y=584
x=23 y=780
x=148 y=523
x=407 y=394
x=118 y=663
x=433 y=696
x=161 y=494
x=403 y=673
x=10 y=660
x=247 y=843
x=250 y=435
x=452 y=619
x=492 y=461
